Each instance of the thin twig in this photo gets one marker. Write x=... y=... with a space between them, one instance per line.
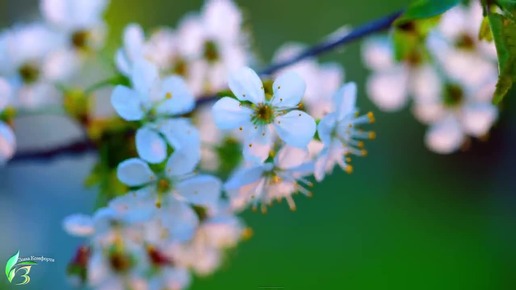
x=359 y=32
x=75 y=148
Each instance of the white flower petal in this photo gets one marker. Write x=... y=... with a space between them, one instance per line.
x=145 y=80
x=388 y=90
x=135 y=172
x=228 y=114
x=179 y=219
x=79 y=225
x=291 y=157
x=183 y=161
x=445 y=136
x=326 y=127
x=378 y=53
x=202 y=190
x=345 y=100
x=244 y=177
x=127 y=103
x=180 y=133
x=179 y=98
x=478 y=118
x=7 y=143
x=247 y=85
x=289 y=88
x=296 y=128
x=150 y=145
x=258 y=143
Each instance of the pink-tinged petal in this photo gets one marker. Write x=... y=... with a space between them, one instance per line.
x=296 y=128
x=378 y=53
x=289 y=88
x=127 y=103
x=135 y=172
x=228 y=114
x=388 y=90
x=445 y=136
x=150 y=145
x=247 y=85
x=477 y=119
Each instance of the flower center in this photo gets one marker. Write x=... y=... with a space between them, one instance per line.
x=263 y=114
x=29 y=73
x=211 y=52
x=180 y=67
x=80 y=39
x=119 y=261
x=453 y=95
x=163 y=185
x=465 y=41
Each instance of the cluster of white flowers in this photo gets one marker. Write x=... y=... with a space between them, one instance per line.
x=203 y=48
x=196 y=164
x=451 y=87
x=174 y=219
x=179 y=216
x=37 y=57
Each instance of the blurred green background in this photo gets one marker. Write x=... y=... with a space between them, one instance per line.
x=405 y=219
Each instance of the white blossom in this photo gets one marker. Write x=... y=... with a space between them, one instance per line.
x=340 y=134
x=275 y=180
x=322 y=80
x=257 y=115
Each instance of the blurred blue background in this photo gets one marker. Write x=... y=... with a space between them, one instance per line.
x=405 y=219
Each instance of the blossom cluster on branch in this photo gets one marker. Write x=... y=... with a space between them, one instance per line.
x=197 y=136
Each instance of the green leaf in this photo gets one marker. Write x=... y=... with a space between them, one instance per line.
x=504 y=34
x=10 y=264
x=485 y=31
x=10 y=277
x=422 y=9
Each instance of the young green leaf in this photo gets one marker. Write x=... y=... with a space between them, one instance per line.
x=504 y=34
x=10 y=264
x=422 y=9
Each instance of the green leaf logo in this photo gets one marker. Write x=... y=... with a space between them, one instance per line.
x=9 y=267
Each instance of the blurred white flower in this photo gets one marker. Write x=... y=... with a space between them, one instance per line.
x=391 y=83
x=257 y=115
x=456 y=112
x=322 y=80
x=80 y=21
x=32 y=65
x=264 y=183
x=215 y=43
x=457 y=48
x=158 y=104
x=340 y=134
x=132 y=50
